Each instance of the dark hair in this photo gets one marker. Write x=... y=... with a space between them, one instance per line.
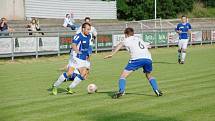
x=85 y=24
x=86 y=18
x=183 y=16
x=129 y=31
x=67 y=15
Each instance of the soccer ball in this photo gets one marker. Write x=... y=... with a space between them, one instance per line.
x=91 y=88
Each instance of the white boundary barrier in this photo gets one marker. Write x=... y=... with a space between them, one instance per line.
x=13 y=46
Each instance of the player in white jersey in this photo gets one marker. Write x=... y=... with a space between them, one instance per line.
x=78 y=63
x=140 y=58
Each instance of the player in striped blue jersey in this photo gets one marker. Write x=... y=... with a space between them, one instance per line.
x=184 y=30
x=78 y=63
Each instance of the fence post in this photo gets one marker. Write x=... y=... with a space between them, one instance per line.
x=12 y=49
x=37 y=39
x=161 y=27
x=96 y=48
x=190 y=39
x=212 y=36
x=58 y=54
x=203 y=35
x=155 y=38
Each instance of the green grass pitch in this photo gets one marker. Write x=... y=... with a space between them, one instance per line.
x=189 y=89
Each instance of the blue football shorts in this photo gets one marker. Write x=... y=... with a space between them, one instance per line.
x=133 y=65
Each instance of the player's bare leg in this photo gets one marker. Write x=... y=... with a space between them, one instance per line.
x=154 y=85
x=81 y=76
x=122 y=84
x=179 y=56
x=183 y=55
x=61 y=79
x=64 y=68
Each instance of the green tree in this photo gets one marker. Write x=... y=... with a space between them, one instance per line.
x=144 y=9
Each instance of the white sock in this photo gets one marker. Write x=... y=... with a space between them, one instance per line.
x=59 y=81
x=76 y=81
x=183 y=56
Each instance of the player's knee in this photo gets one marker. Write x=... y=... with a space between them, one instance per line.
x=184 y=51
x=125 y=74
x=148 y=75
x=70 y=71
x=84 y=74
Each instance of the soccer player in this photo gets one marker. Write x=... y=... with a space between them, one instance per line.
x=184 y=30
x=92 y=31
x=78 y=63
x=140 y=58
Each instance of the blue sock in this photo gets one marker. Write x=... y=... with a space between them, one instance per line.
x=153 y=83
x=73 y=76
x=65 y=75
x=122 y=83
x=80 y=77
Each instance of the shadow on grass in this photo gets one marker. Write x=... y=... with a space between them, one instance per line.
x=111 y=93
x=160 y=62
x=136 y=93
x=127 y=116
x=59 y=90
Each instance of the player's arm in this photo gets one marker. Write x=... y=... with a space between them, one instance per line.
x=75 y=42
x=118 y=47
x=189 y=30
x=74 y=47
x=147 y=44
x=2 y=24
x=94 y=32
x=177 y=29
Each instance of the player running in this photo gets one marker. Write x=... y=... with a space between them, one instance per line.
x=92 y=31
x=140 y=58
x=184 y=30
x=78 y=63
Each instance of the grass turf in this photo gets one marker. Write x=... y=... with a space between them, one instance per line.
x=188 y=89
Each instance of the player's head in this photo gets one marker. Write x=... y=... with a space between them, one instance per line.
x=87 y=19
x=183 y=19
x=3 y=19
x=33 y=21
x=129 y=32
x=67 y=16
x=86 y=27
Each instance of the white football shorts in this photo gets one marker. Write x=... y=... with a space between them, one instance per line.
x=182 y=43
x=78 y=63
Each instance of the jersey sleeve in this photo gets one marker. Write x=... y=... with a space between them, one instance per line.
x=177 y=28
x=189 y=27
x=124 y=42
x=146 y=43
x=76 y=39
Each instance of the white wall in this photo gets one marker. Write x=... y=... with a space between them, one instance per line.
x=12 y=9
x=95 y=9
